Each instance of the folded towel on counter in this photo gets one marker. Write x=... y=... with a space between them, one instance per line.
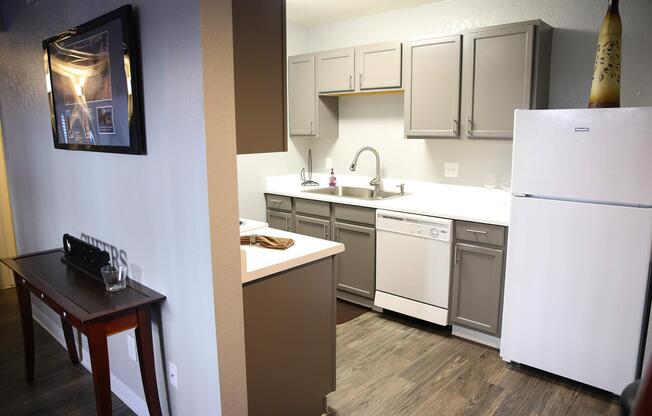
x=277 y=243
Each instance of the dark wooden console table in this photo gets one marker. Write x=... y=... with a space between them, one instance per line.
x=82 y=302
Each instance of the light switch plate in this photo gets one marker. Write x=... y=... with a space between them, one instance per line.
x=451 y=169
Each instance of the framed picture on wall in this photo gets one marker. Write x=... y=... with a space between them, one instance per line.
x=92 y=77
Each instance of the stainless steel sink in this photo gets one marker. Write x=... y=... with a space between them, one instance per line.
x=354 y=192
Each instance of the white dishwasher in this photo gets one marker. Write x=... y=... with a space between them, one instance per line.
x=413 y=264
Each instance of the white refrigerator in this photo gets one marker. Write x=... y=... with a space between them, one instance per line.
x=580 y=243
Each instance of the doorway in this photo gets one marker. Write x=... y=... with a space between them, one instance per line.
x=7 y=238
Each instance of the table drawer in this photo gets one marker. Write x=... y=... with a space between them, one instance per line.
x=480 y=233
x=314 y=208
x=278 y=202
x=58 y=309
x=353 y=213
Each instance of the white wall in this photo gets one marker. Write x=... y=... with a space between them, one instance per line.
x=155 y=207
x=378 y=121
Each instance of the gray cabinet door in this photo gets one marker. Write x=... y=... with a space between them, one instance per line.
x=378 y=66
x=313 y=227
x=477 y=287
x=289 y=325
x=356 y=266
x=335 y=71
x=432 y=87
x=279 y=220
x=259 y=76
x=497 y=78
x=301 y=95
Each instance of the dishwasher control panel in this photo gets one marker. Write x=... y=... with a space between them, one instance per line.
x=415 y=225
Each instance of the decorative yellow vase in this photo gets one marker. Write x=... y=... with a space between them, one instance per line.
x=605 y=89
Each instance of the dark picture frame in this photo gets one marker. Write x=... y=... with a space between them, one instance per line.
x=93 y=83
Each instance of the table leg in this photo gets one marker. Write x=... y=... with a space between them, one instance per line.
x=100 y=365
x=25 y=305
x=146 y=360
x=70 y=341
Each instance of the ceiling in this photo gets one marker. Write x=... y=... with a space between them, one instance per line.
x=319 y=12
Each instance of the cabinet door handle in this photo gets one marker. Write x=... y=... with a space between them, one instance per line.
x=350 y=81
x=469 y=126
x=360 y=79
x=455 y=127
x=326 y=233
x=275 y=201
x=470 y=230
x=457 y=251
x=287 y=223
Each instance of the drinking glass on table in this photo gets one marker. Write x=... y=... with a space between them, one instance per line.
x=115 y=277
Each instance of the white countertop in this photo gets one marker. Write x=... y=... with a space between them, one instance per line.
x=468 y=203
x=250 y=225
x=260 y=262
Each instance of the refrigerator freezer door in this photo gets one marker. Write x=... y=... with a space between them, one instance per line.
x=575 y=289
x=590 y=154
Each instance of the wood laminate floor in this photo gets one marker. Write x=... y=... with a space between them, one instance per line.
x=59 y=388
x=387 y=368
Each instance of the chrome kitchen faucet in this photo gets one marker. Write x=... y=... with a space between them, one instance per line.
x=375 y=182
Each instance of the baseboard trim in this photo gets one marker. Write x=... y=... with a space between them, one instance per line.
x=357 y=299
x=129 y=397
x=476 y=336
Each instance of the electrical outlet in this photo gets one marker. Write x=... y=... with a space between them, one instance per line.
x=131 y=346
x=451 y=169
x=172 y=374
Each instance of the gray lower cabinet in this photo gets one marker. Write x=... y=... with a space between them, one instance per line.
x=356 y=267
x=313 y=227
x=477 y=291
x=279 y=220
x=289 y=324
x=353 y=226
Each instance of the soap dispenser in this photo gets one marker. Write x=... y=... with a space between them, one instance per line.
x=332 y=180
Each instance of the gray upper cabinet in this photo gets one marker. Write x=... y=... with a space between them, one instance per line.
x=477 y=287
x=301 y=95
x=432 y=87
x=260 y=76
x=335 y=71
x=505 y=68
x=310 y=115
x=356 y=267
x=313 y=227
x=378 y=66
